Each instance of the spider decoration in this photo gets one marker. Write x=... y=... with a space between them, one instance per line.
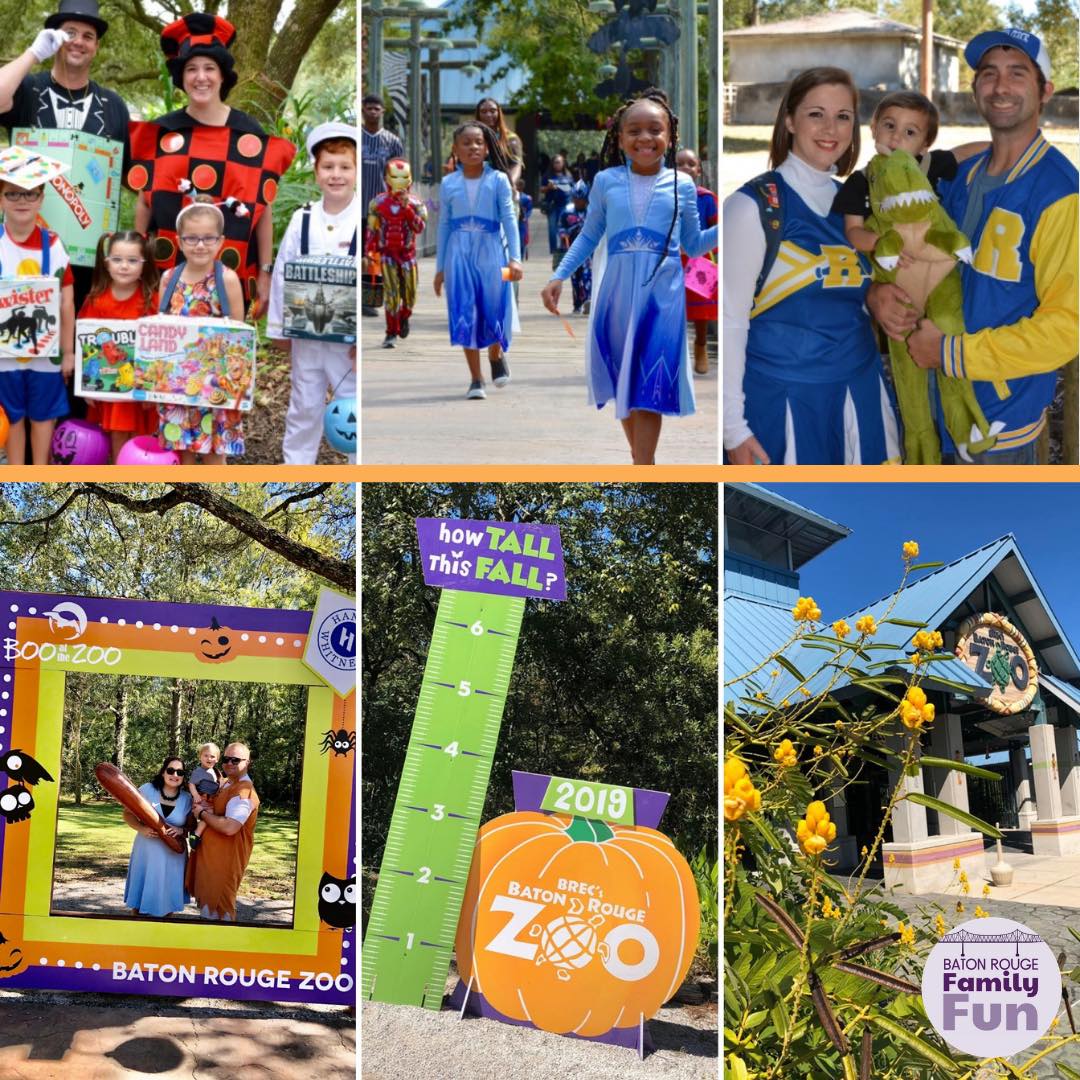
x=341 y=742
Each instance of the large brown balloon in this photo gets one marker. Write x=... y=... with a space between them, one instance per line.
x=129 y=796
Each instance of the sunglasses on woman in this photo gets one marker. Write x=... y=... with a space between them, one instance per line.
x=174 y=772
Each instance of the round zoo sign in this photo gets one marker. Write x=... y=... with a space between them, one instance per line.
x=575 y=925
x=993 y=648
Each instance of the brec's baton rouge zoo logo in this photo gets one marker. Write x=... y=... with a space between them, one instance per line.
x=337 y=639
x=995 y=650
x=991 y=987
x=576 y=925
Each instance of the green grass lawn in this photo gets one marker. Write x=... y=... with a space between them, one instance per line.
x=93 y=839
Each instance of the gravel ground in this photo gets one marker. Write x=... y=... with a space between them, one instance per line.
x=404 y=1040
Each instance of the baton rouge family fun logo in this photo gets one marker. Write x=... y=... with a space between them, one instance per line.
x=991 y=987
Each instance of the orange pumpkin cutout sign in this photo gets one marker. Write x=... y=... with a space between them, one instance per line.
x=576 y=926
x=216 y=645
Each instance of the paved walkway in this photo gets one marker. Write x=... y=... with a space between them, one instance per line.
x=55 y=1036
x=413 y=396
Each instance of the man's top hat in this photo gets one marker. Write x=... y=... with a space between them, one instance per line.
x=199 y=35
x=81 y=11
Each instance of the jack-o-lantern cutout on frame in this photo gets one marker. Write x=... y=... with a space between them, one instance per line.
x=11 y=957
x=575 y=925
x=216 y=645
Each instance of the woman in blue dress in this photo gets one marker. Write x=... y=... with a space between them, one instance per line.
x=155 y=881
x=478 y=241
x=636 y=352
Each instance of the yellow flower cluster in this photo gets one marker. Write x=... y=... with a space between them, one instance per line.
x=915 y=710
x=785 y=754
x=979 y=913
x=841 y=629
x=965 y=885
x=986 y=891
x=805 y=610
x=867 y=625
x=907 y=934
x=928 y=640
x=740 y=794
x=815 y=832
x=829 y=911
x=911 y=549
x=939 y=926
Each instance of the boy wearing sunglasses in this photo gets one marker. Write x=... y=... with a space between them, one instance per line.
x=33 y=386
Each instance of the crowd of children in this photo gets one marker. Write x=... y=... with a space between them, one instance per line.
x=125 y=286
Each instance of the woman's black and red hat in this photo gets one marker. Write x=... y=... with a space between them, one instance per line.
x=195 y=35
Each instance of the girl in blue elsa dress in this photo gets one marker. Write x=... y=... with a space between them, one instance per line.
x=477 y=230
x=636 y=351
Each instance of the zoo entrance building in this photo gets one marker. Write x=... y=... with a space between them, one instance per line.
x=1019 y=672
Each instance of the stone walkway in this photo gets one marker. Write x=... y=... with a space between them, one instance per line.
x=413 y=398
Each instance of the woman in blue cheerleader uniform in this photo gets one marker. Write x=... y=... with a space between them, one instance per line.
x=644 y=211
x=478 y=240
x=803 y=378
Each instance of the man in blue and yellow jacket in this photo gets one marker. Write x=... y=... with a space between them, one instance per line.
x=1017 y=202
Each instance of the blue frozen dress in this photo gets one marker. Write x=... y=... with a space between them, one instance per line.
x=474 y=244
x=636 y=351
x=155 y=881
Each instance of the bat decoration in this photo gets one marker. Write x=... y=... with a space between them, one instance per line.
x=16 y=803
x=22 y=768
x=337 y=901
x=341 y=742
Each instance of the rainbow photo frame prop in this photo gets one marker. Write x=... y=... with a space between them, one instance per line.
x=42 y=638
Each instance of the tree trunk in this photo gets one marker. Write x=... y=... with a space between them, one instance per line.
x=75 y=735
x=120 y=714
x=176 y=715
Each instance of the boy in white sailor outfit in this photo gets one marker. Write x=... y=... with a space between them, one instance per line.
x=332 y=225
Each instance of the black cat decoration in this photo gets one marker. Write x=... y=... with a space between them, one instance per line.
x=337 y=901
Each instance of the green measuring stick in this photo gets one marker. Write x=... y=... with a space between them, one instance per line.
x=440 y=800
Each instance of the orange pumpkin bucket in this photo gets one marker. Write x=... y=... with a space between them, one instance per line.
x=574 y=925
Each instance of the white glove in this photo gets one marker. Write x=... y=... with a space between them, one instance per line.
x=48 y=43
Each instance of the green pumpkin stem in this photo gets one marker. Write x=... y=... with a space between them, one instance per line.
x=588 y=830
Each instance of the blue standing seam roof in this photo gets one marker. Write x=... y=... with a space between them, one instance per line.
x=755 y=629
x=1065 y=691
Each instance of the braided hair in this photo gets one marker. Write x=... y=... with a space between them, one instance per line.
x=496 y=156
x=612 y=156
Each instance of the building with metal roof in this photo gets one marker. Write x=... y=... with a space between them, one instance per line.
x=1011 y=685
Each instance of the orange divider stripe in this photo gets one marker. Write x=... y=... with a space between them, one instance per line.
x=147 y=639
x=17 y=837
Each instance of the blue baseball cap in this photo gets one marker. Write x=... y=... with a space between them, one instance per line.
x=581 y=190
x=1027 y=43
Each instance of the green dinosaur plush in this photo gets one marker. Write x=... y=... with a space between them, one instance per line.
x=908 y=217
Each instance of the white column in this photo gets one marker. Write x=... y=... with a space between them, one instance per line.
x=908 y=818
x=950 y=786
x=1069 y=770
x=1044 y=766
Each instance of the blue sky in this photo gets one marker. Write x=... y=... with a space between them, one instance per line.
x=948 y=520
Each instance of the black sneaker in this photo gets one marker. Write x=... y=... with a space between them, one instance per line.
x=403 y=329
x=368 y=311
x=388 y=341
x=476 y=391
x=500 y=372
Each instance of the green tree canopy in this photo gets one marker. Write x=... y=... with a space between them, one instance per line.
x=617 y=683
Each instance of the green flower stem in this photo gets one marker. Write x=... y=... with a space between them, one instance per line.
x=804 y=969
x=894 y=798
